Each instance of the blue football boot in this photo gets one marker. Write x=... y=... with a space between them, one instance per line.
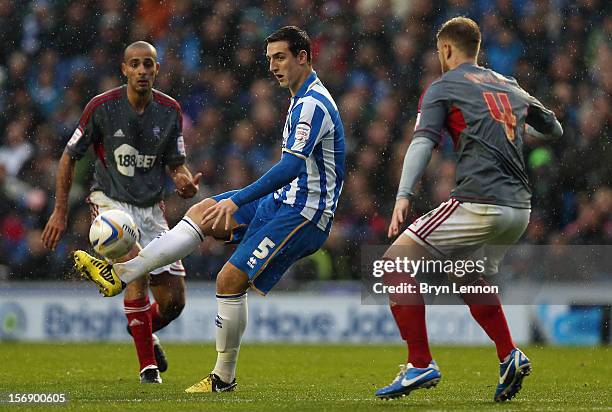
x=511 y=374
x=410 y=378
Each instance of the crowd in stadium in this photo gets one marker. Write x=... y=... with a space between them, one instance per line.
x=374 y=56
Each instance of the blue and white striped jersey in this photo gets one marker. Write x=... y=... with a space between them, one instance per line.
x=314 y=132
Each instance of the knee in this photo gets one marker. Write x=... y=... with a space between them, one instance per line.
x=231 y=281
x=196 y=211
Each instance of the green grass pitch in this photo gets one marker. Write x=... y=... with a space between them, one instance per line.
x=100 y=377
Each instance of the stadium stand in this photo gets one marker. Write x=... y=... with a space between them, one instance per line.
x=376 y=57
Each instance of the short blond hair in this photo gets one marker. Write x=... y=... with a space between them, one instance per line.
x=463 y=32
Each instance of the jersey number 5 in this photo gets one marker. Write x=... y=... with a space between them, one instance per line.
x=502 y=114
x=264 y=248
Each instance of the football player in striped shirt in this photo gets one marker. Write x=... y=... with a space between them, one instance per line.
x=285 y=215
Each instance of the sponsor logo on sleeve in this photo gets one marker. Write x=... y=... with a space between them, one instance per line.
x=76 y=136
x=302 y=133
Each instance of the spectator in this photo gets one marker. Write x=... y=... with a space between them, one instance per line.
x=16 y=150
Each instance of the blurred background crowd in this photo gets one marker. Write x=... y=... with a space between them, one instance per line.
x=375 y=57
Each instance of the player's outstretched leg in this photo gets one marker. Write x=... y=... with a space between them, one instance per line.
x=231 y=321
x=169 y=247
x=511 y=375
x=410 y=378
x=174 y=244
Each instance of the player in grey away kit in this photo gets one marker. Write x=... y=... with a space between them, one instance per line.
x=136 y=133
x=486 y=115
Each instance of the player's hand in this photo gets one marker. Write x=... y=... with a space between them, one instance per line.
x=55 y=228
x=187 y=187
x=223 y=210
x=400 y=213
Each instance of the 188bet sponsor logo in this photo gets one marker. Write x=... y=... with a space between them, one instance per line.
x=128 y=159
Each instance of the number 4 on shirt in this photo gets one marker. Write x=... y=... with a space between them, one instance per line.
x=502 y=114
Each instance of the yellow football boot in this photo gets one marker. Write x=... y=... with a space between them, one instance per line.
x=211 y=383
x=99 y=272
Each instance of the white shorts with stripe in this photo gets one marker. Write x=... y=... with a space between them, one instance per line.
x=459 y=229
x=149 y=220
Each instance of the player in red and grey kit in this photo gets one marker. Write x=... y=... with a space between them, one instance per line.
x=486 y=115
x=136 y=132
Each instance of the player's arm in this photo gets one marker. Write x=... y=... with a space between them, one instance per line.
x=541 y=123
x=416 y=160
x=75 y=149
x=186 y=184
x=281 y=174
x=427 y=134
x=59 y=218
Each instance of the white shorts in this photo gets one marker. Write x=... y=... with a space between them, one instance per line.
x=459 y=229
x=149 y=220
